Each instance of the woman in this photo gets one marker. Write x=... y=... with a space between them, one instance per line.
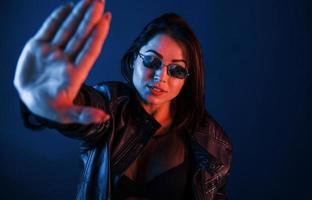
x=150 y=138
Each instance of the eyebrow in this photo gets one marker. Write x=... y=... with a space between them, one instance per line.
x=159 y=55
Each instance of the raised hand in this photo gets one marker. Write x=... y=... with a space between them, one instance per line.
x=56 y=61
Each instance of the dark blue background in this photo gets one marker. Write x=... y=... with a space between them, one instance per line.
x=258 y=86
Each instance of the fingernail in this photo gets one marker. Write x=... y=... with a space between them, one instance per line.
x=66 y=6
x=70 y=5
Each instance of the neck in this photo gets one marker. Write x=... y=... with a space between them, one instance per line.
x=162 y=113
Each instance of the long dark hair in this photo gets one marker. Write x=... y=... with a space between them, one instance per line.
x=189 y=104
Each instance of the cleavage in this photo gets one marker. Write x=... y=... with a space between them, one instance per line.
x=159 y=155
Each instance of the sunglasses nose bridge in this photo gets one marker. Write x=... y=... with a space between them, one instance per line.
x=161 y=72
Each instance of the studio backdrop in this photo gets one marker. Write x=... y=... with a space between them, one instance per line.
x=257 y=56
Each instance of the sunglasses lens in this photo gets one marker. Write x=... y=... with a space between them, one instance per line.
x=151 y=62
x=177 y=71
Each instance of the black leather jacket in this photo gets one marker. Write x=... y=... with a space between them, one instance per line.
x=107 y=150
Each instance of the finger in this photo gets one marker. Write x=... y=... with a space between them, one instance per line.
x=91 y=18
x=86 y=115
x=49 y=27
x=92 y=48
x=69 y=26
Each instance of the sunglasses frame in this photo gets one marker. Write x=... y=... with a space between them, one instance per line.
x=142 y=56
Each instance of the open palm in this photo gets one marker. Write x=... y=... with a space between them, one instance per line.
x=56 y=61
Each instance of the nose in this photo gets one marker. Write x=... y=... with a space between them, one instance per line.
x=160 y=74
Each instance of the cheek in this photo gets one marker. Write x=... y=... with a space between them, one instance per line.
x=141 y=73
x=176 y=86
x=137 y=72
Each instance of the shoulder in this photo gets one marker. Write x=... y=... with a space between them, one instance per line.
x=212 y=129
x=212 y=137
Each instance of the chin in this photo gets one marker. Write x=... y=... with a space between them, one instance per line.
x=151 y=100
x=155 y=100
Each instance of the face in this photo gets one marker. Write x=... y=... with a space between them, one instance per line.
x=155 y=86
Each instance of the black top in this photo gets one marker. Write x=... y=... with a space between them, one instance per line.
x=172 y=184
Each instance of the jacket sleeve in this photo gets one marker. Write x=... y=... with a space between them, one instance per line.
x=218 y=145
x=221 y=193
x=88 y=96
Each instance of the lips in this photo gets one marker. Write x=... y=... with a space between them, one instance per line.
x=156 y=90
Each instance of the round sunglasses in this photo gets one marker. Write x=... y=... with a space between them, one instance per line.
x=174 y=70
